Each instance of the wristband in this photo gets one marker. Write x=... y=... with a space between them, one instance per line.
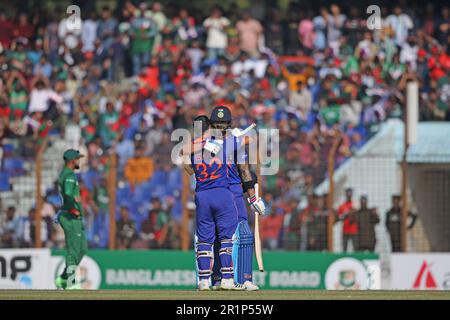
x=248 y=185
x=252 y=199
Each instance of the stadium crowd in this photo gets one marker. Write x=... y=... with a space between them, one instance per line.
x=126 y=77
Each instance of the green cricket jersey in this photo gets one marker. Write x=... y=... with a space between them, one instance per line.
x=69 y=190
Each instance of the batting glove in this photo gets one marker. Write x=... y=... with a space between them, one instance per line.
x=257 y=205
x=213 y=146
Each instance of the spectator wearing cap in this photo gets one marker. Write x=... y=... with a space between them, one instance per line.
x=349 y=227
x=366 y=218
x=393 y=223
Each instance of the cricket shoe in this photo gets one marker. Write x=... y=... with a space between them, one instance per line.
x=229 y=285
x=76 y=286
x=250 y=286
x=60 y=283
x=203 y=285
x=216 y=286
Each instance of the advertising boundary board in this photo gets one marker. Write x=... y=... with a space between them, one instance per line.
x=171 y=269
x=420 y=271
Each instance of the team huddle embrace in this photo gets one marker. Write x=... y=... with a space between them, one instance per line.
x=223 y=241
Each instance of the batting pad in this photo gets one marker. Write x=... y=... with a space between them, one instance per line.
x=243 y=253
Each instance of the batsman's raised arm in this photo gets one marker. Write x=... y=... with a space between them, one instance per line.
x=246 y=178
x=248 y=184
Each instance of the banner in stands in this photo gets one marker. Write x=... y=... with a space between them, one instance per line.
x=169 y=269
x=420 y=271
x=24 y=268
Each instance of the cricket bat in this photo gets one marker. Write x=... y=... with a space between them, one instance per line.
x=238 y=132
x=258 y=251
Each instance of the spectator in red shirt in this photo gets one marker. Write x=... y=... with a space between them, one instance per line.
x=23 y=28
x=5 y=110
x=271 y=226
x=6 y=30
x=350 y=229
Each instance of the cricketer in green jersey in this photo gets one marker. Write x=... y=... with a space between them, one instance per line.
x=70 y=217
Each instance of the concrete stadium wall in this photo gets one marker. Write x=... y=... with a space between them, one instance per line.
x=430 y=187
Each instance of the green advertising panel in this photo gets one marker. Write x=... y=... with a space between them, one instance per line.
x=170 y=269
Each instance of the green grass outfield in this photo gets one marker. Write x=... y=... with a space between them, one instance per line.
x=222 y=295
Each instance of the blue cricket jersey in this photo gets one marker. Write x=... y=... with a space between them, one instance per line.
x=235 y=155
x=210 y=171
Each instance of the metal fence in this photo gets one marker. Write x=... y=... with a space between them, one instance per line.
x=330 y=220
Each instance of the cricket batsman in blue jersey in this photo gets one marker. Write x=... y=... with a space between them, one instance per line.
x=216 y=217
x=238 y=173
x=241 y=180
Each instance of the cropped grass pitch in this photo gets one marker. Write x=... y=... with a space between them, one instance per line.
x=221 y=295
